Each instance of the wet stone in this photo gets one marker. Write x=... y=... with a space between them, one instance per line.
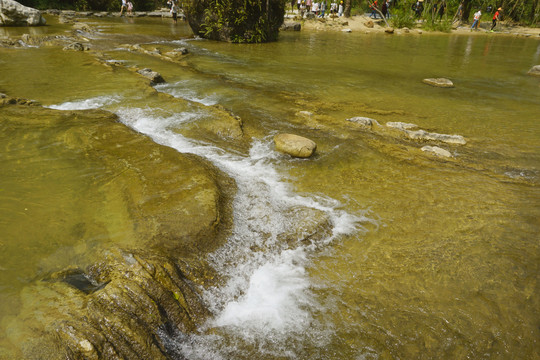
x=154 y=76
x=439 y=82
x=294 y=145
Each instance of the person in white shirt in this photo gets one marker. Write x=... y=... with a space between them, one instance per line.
x=477 y=16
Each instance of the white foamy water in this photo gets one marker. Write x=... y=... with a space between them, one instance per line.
x=185 y=89
x=85 y=104
x=267 y=298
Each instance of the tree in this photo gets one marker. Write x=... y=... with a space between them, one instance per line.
x=239 y=21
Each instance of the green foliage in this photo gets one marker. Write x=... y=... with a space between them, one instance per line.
x=402 y=18
x=81 y=5
x=238 y=21
x=443 y=26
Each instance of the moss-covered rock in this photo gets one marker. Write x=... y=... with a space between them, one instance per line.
x=123 y=298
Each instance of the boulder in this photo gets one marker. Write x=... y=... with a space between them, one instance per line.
x=439 y=82
x=369 y=24
x=154 y=76
x=347 y=30
x=389 y=31
x=14 y=14
x=295 y=145
x=364 y=121
x=535 y=71
x=437 y=151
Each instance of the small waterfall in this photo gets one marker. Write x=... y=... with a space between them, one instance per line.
x=267 y=299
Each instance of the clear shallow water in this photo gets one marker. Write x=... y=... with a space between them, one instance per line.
x=428 y=258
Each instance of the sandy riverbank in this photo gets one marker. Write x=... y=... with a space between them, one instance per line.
x=364 y=24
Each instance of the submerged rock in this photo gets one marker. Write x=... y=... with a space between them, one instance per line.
x=401 y=125
x=295 y=145
x=142 y=300
x=364 y=121
x=534 y=71
x=307 y=224
x=435 y=150
x=14 y=14
x=424 y=135
x=142 y=288
x=439 y=82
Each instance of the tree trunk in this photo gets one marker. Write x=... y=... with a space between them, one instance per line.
x=347 y=9
x=467 y=6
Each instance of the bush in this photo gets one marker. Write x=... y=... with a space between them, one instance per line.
x=431 y=24
x=402 y=18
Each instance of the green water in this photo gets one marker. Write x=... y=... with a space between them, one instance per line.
x=450 y=267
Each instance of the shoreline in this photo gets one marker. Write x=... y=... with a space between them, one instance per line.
x=364 y=24
x=356 y=23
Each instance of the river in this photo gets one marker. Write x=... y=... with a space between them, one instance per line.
x=427 y=257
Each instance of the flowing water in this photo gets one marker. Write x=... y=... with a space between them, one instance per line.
x=426 y=257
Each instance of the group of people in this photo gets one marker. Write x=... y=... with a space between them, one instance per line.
x=478 y=15
x=385 y=9
x=127 y=5
x=318 y=7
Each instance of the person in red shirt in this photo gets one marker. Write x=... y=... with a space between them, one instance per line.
x=373 y=6
x=495 y=18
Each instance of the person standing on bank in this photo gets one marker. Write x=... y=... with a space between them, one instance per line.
x=496 y=17
x=477 y=16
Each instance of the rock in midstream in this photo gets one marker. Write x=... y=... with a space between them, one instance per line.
x=439 y=82
x=295 y=145
x=437 y=151
x=534 y=71
x=420 y=134
x=364 y=121
x=153 y=76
